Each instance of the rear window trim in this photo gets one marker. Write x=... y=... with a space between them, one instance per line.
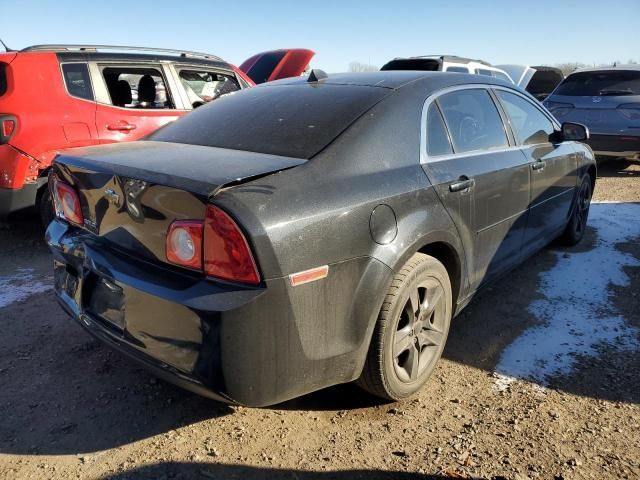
x=66 y=88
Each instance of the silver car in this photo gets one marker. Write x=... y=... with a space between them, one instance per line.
x=607 y=101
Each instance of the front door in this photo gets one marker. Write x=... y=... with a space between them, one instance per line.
x=482 y=180
x=553 y=168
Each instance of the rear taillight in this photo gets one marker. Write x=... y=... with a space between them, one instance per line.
x=227 y=254
x=67 y=202
x=216 y=246
x=184 y=244
x=630 y=110
x=8 y=124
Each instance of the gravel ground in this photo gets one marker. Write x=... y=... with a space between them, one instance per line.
x=71 y=408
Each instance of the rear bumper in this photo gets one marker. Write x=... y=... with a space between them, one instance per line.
x=615 y=145
x=14 y=200
x=255 y=346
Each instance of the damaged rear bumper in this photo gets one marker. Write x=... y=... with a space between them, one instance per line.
x=255 y=346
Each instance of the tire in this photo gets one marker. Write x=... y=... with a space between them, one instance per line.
x=45 y=206
x=418 y=336
x=577 y=225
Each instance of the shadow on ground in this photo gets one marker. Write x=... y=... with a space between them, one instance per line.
x=64 y=393
x=178 y=471
x=618 y=167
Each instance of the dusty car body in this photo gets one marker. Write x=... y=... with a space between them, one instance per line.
x=256 y=262
x=607 y=100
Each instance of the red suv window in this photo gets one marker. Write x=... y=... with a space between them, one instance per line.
x=137 y=87
x=76 y=78
x=3 y=79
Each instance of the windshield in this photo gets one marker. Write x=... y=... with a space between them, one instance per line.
x=601 y=83
x=289 y=120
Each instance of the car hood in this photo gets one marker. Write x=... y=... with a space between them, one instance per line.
x=277 y=64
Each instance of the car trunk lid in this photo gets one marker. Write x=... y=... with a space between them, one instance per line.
x=130 y=193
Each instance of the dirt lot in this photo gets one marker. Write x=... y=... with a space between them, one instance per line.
x=540 y=379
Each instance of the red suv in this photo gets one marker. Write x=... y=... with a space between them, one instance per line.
x=54 y=97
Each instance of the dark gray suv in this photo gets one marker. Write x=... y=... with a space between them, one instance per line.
x=607 y=100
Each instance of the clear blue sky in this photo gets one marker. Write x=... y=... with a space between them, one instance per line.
x=517 y=31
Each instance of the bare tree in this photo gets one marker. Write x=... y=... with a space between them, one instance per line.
x=362 y=67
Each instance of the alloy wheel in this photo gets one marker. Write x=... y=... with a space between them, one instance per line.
x=420 y=331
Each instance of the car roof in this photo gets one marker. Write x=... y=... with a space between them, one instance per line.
x=631 y=67
x=396 y=79
x=137 y=57
x=445 y=58
x=77 y=52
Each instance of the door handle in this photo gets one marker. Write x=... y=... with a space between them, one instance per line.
x=539 y=165
x=463 y=183
x=121 y=126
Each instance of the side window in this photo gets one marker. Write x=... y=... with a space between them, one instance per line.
x=3 y=79
x=437 y=138
x=457 y=69
x=202 y=86
x=484 y=71
x=137 y=87
x=503 y=76
x=530 y=125
x=76 y=78
x=473 y=120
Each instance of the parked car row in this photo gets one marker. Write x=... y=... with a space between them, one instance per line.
x=103 y=94
x=607 y=100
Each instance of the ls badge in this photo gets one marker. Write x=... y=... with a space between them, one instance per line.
x=112 y=197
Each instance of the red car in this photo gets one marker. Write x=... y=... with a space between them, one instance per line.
x=54 y=97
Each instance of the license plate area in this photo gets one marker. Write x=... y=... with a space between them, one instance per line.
x=104 y=300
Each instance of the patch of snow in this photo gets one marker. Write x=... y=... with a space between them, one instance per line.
x=21 y=285
x=576 y=313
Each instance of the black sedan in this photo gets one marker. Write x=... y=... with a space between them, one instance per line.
x=313 y=231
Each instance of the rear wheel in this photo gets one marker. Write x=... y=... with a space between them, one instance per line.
x=577 y=225
x=411 y=331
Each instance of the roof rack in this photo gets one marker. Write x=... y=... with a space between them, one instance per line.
x=95 y=48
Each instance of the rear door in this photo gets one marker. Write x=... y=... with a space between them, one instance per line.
x=553 y=167
x=482 y=179
x=133 y=100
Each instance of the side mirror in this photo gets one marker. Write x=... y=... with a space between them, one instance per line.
x=574 y=132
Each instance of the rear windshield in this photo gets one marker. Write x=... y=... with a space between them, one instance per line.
x=601 y=83
x=289 y=120
x=3 y=79
x=426 y=64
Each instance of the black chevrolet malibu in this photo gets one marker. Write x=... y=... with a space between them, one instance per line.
x=313 y=231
